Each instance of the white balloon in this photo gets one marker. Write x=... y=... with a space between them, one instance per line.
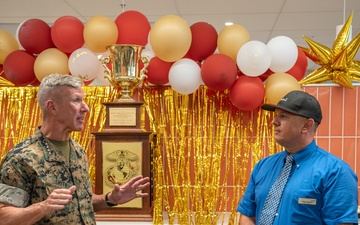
x=84 y=64
x=148 y=45
x=284 y=53
x=101 y=76
x=148 y=53
x=253 y=58
x=185 y=76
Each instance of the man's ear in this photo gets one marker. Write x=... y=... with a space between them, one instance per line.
x=308 y=125
x=51 y=107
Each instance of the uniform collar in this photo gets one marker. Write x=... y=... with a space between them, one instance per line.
x=51 y=152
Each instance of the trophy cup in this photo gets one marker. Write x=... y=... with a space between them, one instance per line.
x=125 y=71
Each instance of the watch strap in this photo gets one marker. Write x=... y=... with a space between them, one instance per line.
x=108 y=202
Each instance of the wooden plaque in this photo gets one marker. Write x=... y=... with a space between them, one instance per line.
x=122 y=115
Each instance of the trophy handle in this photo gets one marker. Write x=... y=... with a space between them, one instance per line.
x=145 y=60
x=104 y=61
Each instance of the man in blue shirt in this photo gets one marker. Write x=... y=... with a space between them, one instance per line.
x=321 y=188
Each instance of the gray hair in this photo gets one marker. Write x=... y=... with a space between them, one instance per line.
x=50 y=85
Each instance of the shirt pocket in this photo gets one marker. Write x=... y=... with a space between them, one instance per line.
x=307 y=208
x=63 y=213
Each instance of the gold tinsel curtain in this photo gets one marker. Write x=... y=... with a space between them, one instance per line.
x=205 y=147
x=205 y=154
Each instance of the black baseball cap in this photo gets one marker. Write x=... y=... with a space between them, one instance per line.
x=299 y=103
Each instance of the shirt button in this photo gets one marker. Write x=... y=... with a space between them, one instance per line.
x=276 y=214
x=297 y=165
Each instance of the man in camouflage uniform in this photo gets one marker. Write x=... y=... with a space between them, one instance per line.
x=47 y=173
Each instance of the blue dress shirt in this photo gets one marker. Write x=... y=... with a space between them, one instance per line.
x=322 y=189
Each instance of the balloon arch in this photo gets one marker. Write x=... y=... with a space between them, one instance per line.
x=181 y=56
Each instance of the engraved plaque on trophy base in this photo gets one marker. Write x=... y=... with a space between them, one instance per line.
x=122 y=115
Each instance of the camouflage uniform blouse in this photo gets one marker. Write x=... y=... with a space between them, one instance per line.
x=38 y=167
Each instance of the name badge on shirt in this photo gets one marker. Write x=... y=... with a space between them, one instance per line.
x=307 y=201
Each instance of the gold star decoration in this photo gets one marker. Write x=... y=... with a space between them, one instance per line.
x=337 y=64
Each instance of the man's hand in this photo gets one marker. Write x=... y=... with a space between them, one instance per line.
x=129 y=191
x=57 y=200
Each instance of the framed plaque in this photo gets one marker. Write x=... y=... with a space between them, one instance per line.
x=122 y=115
x=119 y=157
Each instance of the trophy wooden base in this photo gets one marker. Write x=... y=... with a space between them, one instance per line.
x=124 y=217
x=123 y=151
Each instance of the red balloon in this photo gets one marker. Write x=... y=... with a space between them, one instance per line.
x=36 y=82
x=35 y=36
x=218 y=72
x=239 y=73
x=299 y=69
x=265 y=75
x=204 y=40
x=87 y=83
x=67 y=33
x=133 y=28
x=158 y=71
x=19 y=67
x=188 y=56
x=247 y=93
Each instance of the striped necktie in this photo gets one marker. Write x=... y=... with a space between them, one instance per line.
x=273 y=199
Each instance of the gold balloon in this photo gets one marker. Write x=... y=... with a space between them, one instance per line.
x=231 y=38
x=337 y=64
x=99 y=32
x=278 y=85
x=8 y=44
x=50 y=61
x=170 y=38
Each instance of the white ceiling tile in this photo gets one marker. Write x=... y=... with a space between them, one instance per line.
x=321 y=5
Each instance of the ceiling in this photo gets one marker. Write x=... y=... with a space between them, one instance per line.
x=264 y=19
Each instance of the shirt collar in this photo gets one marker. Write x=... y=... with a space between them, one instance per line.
x=51 y=152
x=303 y=154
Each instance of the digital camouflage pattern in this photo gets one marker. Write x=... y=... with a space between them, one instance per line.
x=13 y=196
x=38 y=167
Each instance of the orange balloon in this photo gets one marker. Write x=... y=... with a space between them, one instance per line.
x=170 y=38
x=50 y=61
x=8 y=44
x=278 y=85
x=100 y=32
x=231 y=38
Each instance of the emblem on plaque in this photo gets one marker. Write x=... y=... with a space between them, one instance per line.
x=124 y=168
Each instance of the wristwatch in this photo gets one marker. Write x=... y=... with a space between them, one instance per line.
x=108 y=202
